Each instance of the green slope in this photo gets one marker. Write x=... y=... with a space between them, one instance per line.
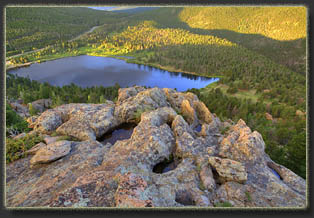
x=258 y=70
x=276 y=32
x=28 y=28
x=279 y=23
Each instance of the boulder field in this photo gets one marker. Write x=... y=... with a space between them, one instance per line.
x=212 y=167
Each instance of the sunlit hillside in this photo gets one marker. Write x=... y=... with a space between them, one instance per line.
x=280 y=23
x=259 y=54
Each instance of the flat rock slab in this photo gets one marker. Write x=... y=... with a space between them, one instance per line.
x=52 y=152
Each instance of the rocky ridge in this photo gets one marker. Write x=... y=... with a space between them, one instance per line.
x=211 y=168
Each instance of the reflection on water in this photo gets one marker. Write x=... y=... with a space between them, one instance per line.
x=122 y=132
x=198 y=128
x=166 y=165
x=87 y=71
x=276 y=174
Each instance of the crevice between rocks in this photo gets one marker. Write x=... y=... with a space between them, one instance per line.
x=275 y=169
x=216 y=177
x=185 y=198
x=167 y=164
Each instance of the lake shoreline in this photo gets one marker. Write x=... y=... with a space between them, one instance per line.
x=90 y=70
x=131 y=60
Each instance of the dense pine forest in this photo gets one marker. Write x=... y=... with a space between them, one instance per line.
x=31 y=28
x=259 y=53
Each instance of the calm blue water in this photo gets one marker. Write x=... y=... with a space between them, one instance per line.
x=276 y=174
x=103 y=8
x=87 y=71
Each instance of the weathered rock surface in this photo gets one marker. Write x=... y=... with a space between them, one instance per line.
x=127 y=109
x=129 y=191
x=210 y=167
x=37 y=186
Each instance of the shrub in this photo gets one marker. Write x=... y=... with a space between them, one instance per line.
x=138 y=113
x=248 y=196
x=232 y=90
x=202 y=186
x=32 y=110
x=15 y=148
x=223 y=204
x=14 y=122
x=223 y=130
x=68 y=138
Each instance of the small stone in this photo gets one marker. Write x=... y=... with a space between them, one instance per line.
x=20 y=136
x=228 y=170
x=49 y=139
x=207 y=178
x=50 y=153
x=35 y=148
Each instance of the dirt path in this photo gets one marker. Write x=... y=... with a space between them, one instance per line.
x=89 y=31
x=75 y=38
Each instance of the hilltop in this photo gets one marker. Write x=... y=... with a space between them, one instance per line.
x=262 y=71
x=206 y=167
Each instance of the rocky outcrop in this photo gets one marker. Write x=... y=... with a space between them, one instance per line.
x=42 y=104
x=129 y=109
x=20 y=109
x=208 y=167
x=23 y=110
x=82 y=121
x=37 y=186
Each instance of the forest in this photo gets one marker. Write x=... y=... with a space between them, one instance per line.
x=31 y=28
x=262 y=68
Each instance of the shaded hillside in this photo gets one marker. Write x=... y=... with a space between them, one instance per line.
x=276 y=32
x=28 y=27
x=132 y=10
